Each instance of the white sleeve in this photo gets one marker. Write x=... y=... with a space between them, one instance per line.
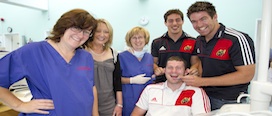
x=201 y=102
x=143 y=100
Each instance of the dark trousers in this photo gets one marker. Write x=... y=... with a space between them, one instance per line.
x=218 y=103
x=160 y=78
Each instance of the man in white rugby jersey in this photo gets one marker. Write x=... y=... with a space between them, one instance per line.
x=173 y=97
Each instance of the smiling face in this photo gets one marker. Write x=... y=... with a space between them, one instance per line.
x=137 y=38
x=174 y=70
x=204 y=24
x=73 y=28
x=101 y=34
x=75 y=37
x=174 y=24
x=138 y=41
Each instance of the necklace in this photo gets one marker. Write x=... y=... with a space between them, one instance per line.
x=96 y=54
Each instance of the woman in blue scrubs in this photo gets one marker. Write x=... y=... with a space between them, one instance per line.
x=136 y=67
x=58 y=72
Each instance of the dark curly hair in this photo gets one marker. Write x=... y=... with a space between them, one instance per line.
x=201 y=6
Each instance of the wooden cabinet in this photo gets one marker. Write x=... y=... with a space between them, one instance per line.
x=3 y=108
x=6 y=111
x=9 y=113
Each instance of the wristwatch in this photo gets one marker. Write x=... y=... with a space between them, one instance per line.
x=119 y=105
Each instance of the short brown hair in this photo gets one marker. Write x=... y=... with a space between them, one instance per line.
x=74 y=18
x=177 y=58
x=201 y=6
x=173 y=11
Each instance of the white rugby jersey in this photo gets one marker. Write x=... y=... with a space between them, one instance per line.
x=159 y=100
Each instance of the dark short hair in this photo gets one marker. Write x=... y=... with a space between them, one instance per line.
x=177 y=58
x=173 y=11
x=74 y=18
x=201 y=6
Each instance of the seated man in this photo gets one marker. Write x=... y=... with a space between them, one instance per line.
x=173 y=97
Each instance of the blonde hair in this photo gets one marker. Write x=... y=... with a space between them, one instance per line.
x=134 y=31
x=108 y=25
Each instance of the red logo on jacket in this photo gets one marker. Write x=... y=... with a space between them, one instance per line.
x=83 y=68
x=187 y=46
x=185 y=98
x=221 y=49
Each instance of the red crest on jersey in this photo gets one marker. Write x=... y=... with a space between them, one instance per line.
x=185 y=98
x=187 y=46
x=221 y=49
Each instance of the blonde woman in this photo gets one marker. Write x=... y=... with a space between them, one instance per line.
x=136 y=67
x=108 y=86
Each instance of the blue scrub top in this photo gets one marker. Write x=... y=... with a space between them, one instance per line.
x=69 y=85
x=131 y=66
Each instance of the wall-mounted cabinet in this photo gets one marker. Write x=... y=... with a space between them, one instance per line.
x=10 y=42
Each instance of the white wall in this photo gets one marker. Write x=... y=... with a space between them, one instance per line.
x=25 y=21
x=125 y=14
x=34 y=4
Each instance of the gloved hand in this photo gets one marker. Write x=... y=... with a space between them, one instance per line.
x=139 y=79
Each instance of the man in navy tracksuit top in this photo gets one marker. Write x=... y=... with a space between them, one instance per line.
x=227 y=57
x=175 y=42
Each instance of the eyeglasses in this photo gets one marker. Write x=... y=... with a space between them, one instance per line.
x=137 y=37
x=86 y=33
